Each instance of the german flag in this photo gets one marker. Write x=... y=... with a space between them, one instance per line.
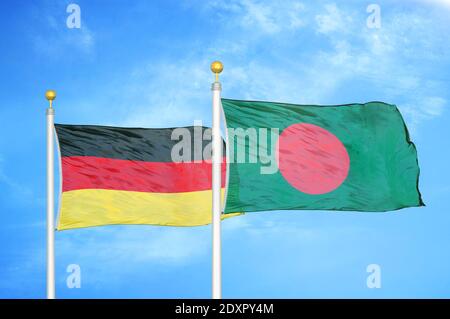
x=113 y=175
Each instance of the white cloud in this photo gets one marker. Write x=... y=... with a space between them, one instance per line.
x=19 y=192
x=333 y=20
x=137 y=244
x=434 y=106
x=168 y=94
x=134 y=244
x=55 y=38
x=423 y=108
x=444 y=3
x=267 y=17
x=392 y=62
x=388 y=61
x=59 y=40
x=272 y=17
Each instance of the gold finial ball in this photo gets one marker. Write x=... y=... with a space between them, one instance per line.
x=50 y=95
x=216 y=67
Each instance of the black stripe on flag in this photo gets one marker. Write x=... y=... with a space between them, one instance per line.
x=139 y=144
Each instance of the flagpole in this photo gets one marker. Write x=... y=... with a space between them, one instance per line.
x=216 y=68
x=50 y=95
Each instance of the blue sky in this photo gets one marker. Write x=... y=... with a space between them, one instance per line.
x=142 y=63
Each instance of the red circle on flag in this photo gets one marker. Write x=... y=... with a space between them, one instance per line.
x=312 y=159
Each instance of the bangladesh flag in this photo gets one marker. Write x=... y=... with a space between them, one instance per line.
x=355 y=157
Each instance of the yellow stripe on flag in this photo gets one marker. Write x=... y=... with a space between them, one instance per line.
x=96 y=207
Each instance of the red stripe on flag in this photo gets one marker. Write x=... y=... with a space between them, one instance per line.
x=89 y=172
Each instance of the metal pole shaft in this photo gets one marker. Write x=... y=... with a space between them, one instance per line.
x=50 y=207
x=216 y=192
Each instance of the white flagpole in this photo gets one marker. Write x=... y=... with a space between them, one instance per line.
x=216 y=68
x=50 y=95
